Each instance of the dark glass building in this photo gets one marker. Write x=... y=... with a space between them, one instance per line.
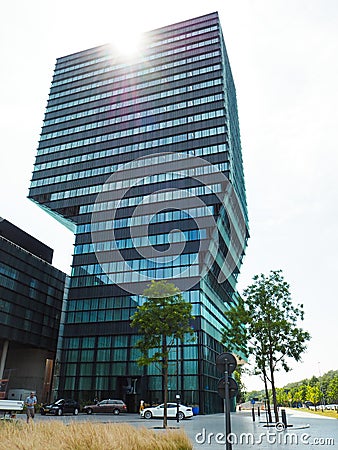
x=141 y=157
x=31 y=298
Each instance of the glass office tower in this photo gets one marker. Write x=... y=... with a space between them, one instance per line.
x=141 y=157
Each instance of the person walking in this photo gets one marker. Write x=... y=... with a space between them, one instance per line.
x=30 y=403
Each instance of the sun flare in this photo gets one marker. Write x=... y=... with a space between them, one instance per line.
x=127 y=42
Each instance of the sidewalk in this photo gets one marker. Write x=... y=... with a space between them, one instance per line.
x=307 y=430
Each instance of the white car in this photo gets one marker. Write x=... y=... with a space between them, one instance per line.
x=158 y=411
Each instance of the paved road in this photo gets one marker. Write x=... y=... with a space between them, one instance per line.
x=207 y=432
x=306 y=430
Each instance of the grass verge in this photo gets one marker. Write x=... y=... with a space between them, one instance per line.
x=325 y=413
x=88 y=436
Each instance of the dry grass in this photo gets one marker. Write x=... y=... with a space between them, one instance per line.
x=88 y=436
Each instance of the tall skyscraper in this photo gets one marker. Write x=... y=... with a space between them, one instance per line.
x=141 y=157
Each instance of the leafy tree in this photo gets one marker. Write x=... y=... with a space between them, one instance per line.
x=313 y=381
x=296 y=396
x=325 y=381
x=254 y=394
x=281 y=396
x=332 y=390
x=164 y=317
x=237 y=375
x=266 y=327
x=236 y=339
x=314 y=394
x=302 y=391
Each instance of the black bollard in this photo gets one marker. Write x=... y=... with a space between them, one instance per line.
x=258 y=412
x=253 y=414
x=284 y=418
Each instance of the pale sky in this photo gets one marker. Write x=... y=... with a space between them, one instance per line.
x=284 y=59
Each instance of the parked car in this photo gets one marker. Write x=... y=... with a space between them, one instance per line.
x=309 y=404
x=60 y=407
x=106 y=406
x=331 y=406
x=184 y=412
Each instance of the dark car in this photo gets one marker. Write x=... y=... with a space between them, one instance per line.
x=106 y=406
x=60 y=407
x=309 y=404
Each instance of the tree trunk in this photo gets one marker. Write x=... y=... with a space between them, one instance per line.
x=165 y=380
x=273 y=388
x=272 y=377
x=267 y=394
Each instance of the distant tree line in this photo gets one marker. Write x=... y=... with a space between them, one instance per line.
x=318 y=390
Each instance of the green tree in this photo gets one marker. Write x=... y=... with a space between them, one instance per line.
x=282 y=397
x=295 y=396
x=266 y=327
x=302 y=389
x=332 y=390
x=313 y=381
x=254 y=394
x=236 y=339
x=302 y=392
x=314 y=394
x=325 y=380
x=164 y=317
x=237 y=375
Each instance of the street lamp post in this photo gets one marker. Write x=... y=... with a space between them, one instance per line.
x=322 y=400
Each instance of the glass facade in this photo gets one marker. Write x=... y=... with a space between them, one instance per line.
x=31 y=291
x=136 y=156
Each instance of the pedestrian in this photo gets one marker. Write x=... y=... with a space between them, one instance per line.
x=30 y=403
x=141 y=406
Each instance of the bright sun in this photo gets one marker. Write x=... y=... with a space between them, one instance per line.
x=126 y=42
